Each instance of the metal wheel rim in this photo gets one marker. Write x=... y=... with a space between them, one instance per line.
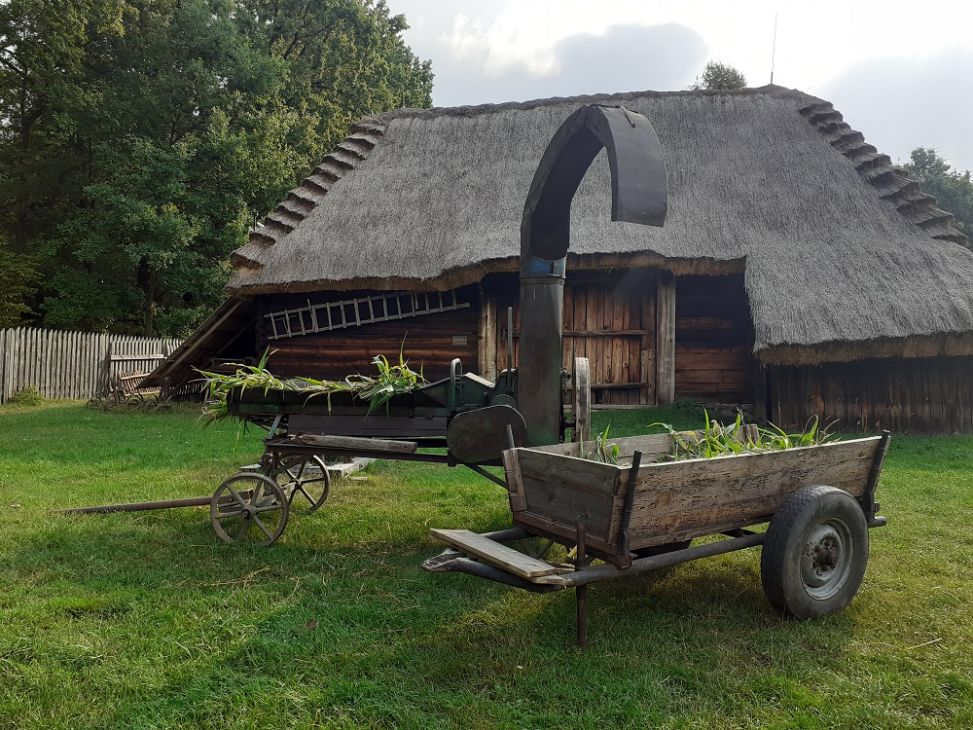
x=249 y=507
x=827 y=559
x=294 y=477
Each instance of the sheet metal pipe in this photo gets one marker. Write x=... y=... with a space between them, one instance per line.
x=639 y=195
x=539 y=366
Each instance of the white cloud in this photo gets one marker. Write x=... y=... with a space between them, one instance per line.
x=876 y=59
x=908 y=101
x=466 y=38
x=623 y=58
x=816 y=40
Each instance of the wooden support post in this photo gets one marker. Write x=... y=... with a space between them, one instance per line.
x=760 y=407
x=581 y=592
x=105 y=388
x=7 y=354
x=647 y=343
x=487 y=346
x=869 y=505
x=665 y=348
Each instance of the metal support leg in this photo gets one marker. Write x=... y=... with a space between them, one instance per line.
x=581 y=592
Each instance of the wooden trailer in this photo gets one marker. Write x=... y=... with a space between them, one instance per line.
x=642 y=513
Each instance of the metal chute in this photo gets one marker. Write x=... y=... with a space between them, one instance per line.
x=639 y=195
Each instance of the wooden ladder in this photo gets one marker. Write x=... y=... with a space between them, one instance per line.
x=328 y=316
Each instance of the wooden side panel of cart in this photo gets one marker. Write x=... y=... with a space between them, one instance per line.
x=551 y=490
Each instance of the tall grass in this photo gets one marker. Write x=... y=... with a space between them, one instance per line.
x=148 y=621
x=376 y=390
x=716 y=439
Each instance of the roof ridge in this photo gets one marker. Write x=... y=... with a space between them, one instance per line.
x=365 y=134
x=361 y=139
x=876 y=168
x=477 y=109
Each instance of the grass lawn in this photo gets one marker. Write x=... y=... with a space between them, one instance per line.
x=146 y=620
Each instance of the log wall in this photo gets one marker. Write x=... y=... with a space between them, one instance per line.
x=714 y=339
x=609 y=317
x=430 y=341
x=932 y=395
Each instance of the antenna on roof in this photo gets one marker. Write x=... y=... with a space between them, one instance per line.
x=773 y=49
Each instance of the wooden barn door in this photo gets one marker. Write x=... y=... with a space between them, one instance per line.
x=608 y=318
x=714 y=340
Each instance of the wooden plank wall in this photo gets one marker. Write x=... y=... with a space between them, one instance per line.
x=431 y=341
x=931 y=395
x=608 y=318
x=665 y=338
x=65 y=364
x=714 y=339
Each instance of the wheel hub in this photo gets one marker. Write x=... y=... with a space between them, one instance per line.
x=826 y=559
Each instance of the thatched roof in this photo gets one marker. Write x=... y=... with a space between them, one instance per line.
x=837 y=245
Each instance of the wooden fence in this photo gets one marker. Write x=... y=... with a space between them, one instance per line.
x=73 y=364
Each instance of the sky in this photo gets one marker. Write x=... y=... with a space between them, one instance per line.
x=899 y=72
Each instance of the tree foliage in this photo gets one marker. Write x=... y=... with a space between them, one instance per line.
x=17 y=279
x=719 y=76
x=953 y=190
x=140 y=139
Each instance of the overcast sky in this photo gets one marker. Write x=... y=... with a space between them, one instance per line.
x=901 y=73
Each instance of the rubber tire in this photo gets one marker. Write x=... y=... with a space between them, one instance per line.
x=780 y=559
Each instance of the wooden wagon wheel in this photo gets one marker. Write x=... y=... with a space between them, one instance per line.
x=305 y=475
x=581 y=399
x=249 y=508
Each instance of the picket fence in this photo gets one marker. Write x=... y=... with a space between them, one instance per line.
x=62 y=364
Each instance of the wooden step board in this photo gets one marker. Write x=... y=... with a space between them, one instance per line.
x=355 y=443
x=496 y=553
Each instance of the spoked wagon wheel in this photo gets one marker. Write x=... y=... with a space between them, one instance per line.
x=304 y=475
x=249 y=508
x=581 y=399
x=815 y=552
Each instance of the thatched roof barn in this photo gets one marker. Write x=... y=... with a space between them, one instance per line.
x=839 y=256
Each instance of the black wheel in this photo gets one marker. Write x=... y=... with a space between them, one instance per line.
x=249 y=508
x=304 y=475
x=815 y=553
x=668 y=547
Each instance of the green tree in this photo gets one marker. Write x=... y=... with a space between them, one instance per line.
x=953 y=190
x=719 y=76
x=140 y=139
x=17 y=283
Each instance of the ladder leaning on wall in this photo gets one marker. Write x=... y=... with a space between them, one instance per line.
x=329 y=316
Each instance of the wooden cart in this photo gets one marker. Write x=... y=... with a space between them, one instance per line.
x=642 y=513
x=457 y=421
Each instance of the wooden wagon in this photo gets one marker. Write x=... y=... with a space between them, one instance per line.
x=461 y=420
x=642 y=513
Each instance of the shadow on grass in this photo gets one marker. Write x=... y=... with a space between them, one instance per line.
x=390 y=637
x=338 y=625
